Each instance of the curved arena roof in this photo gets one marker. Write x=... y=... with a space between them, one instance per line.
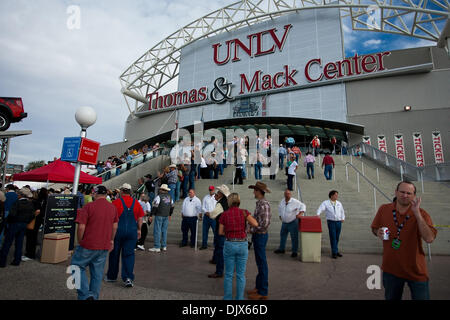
x=159 y=65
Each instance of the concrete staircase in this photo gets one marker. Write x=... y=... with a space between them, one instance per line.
x=360 y=209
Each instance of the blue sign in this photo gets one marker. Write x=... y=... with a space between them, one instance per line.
x=70 y=149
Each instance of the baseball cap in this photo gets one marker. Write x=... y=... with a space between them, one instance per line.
x=100 y=190
x=211 y=188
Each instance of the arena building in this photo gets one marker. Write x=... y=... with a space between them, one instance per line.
x=281 y=65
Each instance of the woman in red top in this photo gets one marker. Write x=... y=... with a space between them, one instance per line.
x=235 y=251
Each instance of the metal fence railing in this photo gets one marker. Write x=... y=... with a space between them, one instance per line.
x=117 y=170
x=435 y=172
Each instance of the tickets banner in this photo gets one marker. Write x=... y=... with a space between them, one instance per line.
x=418 y=149
x=366 y=139
x=382 y=143
x=399 y=147
x=437 y=147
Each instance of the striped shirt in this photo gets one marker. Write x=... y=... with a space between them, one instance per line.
x=262 y=215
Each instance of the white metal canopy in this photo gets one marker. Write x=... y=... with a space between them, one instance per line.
x=159 y=65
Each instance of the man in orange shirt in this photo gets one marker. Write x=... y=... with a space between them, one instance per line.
x=403 y=255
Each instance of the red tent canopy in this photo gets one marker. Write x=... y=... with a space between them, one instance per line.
x=57 y=171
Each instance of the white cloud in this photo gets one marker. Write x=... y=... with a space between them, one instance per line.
x=372 y=43
x=55 y=70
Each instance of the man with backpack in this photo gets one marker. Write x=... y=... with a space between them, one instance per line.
x=21 y=213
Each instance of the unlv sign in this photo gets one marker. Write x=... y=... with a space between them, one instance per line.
x=234 y=44
x=256 y=45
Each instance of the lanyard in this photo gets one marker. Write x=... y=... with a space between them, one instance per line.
x=399 y=227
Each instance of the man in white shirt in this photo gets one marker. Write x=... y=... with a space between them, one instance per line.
x=145 y=204
x=208 y=205
x=289 y=210
x=291 y=172
x=192 y=207
x=335 y=216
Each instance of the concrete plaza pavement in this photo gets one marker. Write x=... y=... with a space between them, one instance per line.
x=181 y=274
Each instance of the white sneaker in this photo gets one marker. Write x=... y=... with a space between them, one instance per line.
x=164 y=248
x=141 y=248
x=154 y=250
x=24 y=258
x=129 y=283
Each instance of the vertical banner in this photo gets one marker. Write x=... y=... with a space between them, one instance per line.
x=382 y=143
x=366 y=139
x=437 y=147
x=418 y=149
x=399 y=147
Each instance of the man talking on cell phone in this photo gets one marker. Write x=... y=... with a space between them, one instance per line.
x=403 y=255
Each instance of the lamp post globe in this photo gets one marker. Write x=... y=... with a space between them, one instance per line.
x=86 y=117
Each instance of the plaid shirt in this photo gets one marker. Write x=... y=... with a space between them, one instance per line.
x=262 y=216
x=234 y=223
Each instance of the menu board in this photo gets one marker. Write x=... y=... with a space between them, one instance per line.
x=60 y=215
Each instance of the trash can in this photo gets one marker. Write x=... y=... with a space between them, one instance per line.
x=310 y=239
x=55 y=248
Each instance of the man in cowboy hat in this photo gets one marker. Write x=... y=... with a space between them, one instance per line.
x=259 y=239
x=219 y=241
x=128 y=232
x=161 y=214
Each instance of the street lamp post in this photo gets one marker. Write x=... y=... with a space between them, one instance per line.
x=86 y=117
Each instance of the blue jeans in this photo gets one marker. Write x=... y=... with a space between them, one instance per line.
x=281 y=160
x=207 y=223
x=185 y=186
x=334 y=230
x=262 y=279
x=290 y=182
x=192 y=179
x=172 y=188
x=235 y=255
x=160 y=231
x=221 y=169
x=258 y=166
x=151 y=196
x=14 y=232
x=188 y=224
x=291 y=228
x=244 y=171
x=393 y=288
x=96 y=260
x=219 y=242
x=310 y=170
x=177 y=190
x=328 y=172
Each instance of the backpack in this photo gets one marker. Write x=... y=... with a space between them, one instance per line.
x=21 y=211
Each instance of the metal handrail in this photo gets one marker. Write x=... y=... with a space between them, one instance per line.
x=434 y=172
x=131 y=161
x=370 y=182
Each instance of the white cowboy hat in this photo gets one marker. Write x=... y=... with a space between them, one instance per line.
x=125 y=186
x=164 y=187
x=224 y=189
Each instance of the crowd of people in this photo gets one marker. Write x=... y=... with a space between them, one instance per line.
x=114 y=224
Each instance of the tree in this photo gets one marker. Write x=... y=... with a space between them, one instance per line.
x=34 y=165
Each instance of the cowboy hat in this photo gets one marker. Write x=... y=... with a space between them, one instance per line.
x=224 y=190
x=125 y=186
x=25 y=192
x=164 y=187
x=260 y=186
x=173 y=166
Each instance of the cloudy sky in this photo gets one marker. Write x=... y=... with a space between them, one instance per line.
x=56 y=69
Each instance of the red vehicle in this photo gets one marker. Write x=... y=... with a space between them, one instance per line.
x=11 y=110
